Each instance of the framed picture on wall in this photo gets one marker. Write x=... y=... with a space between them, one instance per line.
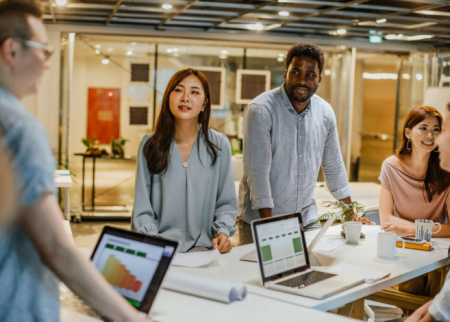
x=139 y=116
x=216 y=79
x=250 y=83
x=103 y=119
x=140 y=72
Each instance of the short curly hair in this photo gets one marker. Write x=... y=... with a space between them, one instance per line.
x=306 y=49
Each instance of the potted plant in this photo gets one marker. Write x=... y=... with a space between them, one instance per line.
x=344 y=211
x=91 y=149
x=117 y=147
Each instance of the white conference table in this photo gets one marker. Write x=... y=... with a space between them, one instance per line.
x=63 y=179
x=175 y=307
x=407 y=265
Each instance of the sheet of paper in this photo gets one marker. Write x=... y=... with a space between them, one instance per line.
x=197 y=259
x=326 y=243
x=369 y=275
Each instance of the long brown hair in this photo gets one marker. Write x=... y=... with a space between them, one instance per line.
x=436 y=179
x=157 y=148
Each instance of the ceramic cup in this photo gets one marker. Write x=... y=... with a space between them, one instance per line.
x=352 y=232
x=424 y=229
x=387 y=245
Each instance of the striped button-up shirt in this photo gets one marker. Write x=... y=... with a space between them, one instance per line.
x=283 y=152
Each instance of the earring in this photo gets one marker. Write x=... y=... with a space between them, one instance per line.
x=409 y=145
x=436 y=150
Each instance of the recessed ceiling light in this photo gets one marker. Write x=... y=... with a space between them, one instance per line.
x=167 y=6
x=327 y=72
x=341 y=31
x=224 y=52
x=105 y=61
x=419 y=77
x=372 y=32
x=61 y=2
x=169 y=50
x=390 y=37
x=175 y=50
x=280 y=55
x=98 y=46
x=129 y=53
x=280 y=59
x=381 y=20
x=283 y=13
x=256 y=26
x=97 y=52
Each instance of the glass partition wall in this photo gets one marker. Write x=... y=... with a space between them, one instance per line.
x=370 y=94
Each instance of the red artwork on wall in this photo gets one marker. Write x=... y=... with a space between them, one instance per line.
x=103 y=120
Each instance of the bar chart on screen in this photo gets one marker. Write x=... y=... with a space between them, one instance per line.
x=127 y=266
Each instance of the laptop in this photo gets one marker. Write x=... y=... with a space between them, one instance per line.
x=253 y=257
x=133 y=264
x=284 y=260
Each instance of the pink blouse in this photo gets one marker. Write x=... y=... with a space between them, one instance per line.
x=409 y=198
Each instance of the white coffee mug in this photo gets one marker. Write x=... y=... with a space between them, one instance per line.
x=424 y=229
x=352 y=232
x=387 y=245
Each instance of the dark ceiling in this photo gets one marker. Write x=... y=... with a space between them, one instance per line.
x=424 y=22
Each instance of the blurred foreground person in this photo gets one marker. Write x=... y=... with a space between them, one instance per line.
x=34 y=249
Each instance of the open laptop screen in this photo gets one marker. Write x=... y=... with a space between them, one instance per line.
x=281 y=245
x=133 y=264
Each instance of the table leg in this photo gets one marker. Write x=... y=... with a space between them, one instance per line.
x=82 y=184
x=66 y=204
x=93 y=184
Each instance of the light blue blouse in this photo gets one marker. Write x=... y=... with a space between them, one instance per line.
x=190 y=204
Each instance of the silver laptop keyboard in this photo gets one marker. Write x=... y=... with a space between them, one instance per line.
x=306 y=279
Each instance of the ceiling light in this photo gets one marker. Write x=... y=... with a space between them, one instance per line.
x=97 y=52
x=381 y=20
x=280 y=59
x=280 y=55
x=129 y=53
x=420 y=37
x=419 y=77
x=341 y=31
x=434 y=13
x=375 y=39
x=256 y=26
x=390 y=37
x=372 y=32
x=167 y=6
x=98 y=46
x=175 y=50
x=169 y=50
x=283 y=13
x=105 y=61
x=61 y=2
x=327 y=72
x=399 y=36
x=224 y=52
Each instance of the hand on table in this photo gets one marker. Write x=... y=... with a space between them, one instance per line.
x=222 y=243
x=394 y=228
x=421 y=314
x=363 y=220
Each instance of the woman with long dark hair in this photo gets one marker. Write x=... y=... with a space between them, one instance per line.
x=184 y=177
x=412 y=183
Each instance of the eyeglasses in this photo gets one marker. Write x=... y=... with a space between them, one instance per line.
x=48 y=50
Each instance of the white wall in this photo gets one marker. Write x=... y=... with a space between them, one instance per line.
x=90 y=72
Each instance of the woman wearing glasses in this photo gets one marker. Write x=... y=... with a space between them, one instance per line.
x=184 y=178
